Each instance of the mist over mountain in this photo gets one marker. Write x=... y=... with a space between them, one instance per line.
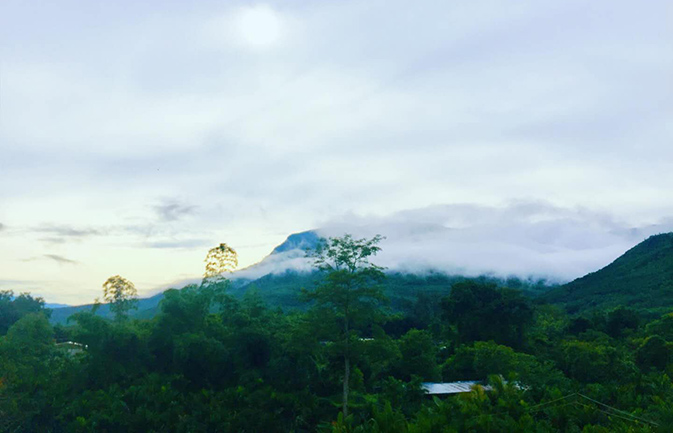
x=523 y=239
x=528 y=240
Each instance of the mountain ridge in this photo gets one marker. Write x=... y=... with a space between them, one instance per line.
x=642 y=277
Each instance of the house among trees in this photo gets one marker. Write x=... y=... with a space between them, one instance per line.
x=446 y=388
x=71 y=347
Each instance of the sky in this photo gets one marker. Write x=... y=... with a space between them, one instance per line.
x=528 y=137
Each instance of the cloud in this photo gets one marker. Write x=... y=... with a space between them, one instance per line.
x=526 y=239
x=53 y=257
x=173 y=210
x=60 y=259
x=2 y=227
x=273 y=117
x=279 y=263
x=523 y=238
x=62 y=234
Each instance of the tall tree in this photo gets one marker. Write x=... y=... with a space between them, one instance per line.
x=219 y=260
x=348 y=296
x=121 y=294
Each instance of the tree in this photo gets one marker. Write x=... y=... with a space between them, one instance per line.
x=482 y=312
x=418 y=355
x=620 y=319
x=27 y=368
x=653 y=352
x=348 y=296
x=13 y=308
x=121 y=294
x=219 y=260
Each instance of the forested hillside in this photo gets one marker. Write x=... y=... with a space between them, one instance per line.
x=344 y=362
x=642 y=278
x=283 y=290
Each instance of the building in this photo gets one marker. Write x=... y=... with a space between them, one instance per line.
x=447 y=388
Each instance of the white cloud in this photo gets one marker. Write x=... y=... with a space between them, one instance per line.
x=525 y=239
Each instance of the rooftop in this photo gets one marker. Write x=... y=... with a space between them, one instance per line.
x=434 y=388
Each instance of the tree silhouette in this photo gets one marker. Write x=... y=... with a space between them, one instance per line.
x=121 y=294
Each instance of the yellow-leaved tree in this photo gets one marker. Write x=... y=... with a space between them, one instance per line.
x=121 y=294
x=220 y=260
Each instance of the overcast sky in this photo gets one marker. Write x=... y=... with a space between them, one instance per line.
x=136 y=135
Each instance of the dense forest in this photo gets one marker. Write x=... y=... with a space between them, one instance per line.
x=348 y=361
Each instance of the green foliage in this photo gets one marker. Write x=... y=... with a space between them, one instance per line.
x=351 y=290
x=654 y=352
x=642 y=279
x=596 y=362
x=481 y=311
x=486 y=358
x=346 y=303
x=417 y=296
x=29 y=360
x=662 y=327
x=208 y=361
x=620 y=320
x=14 y=308
x=418 y=356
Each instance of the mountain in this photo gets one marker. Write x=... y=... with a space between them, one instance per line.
x=641 y=278
x=279 y=277
x=147 y=308
x=298 y=241
x=274 y=270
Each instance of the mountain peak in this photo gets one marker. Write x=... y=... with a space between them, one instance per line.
x=298 y=241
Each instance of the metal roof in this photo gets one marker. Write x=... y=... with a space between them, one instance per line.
x=433 y=388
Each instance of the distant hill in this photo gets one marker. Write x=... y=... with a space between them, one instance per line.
x=642 y=278
x=280 y=276
x=53 y=306
x=147 y=308
x=283 y=290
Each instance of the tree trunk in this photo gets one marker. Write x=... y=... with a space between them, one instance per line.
x=347 y=352
x=347 y=374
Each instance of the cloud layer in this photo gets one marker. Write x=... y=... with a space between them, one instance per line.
x=523 y=239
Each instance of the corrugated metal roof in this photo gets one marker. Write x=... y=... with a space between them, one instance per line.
x=433 y=388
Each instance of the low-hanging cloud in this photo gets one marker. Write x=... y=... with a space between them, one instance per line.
x=525 y=239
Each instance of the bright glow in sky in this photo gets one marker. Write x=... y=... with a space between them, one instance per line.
x=134 y=136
